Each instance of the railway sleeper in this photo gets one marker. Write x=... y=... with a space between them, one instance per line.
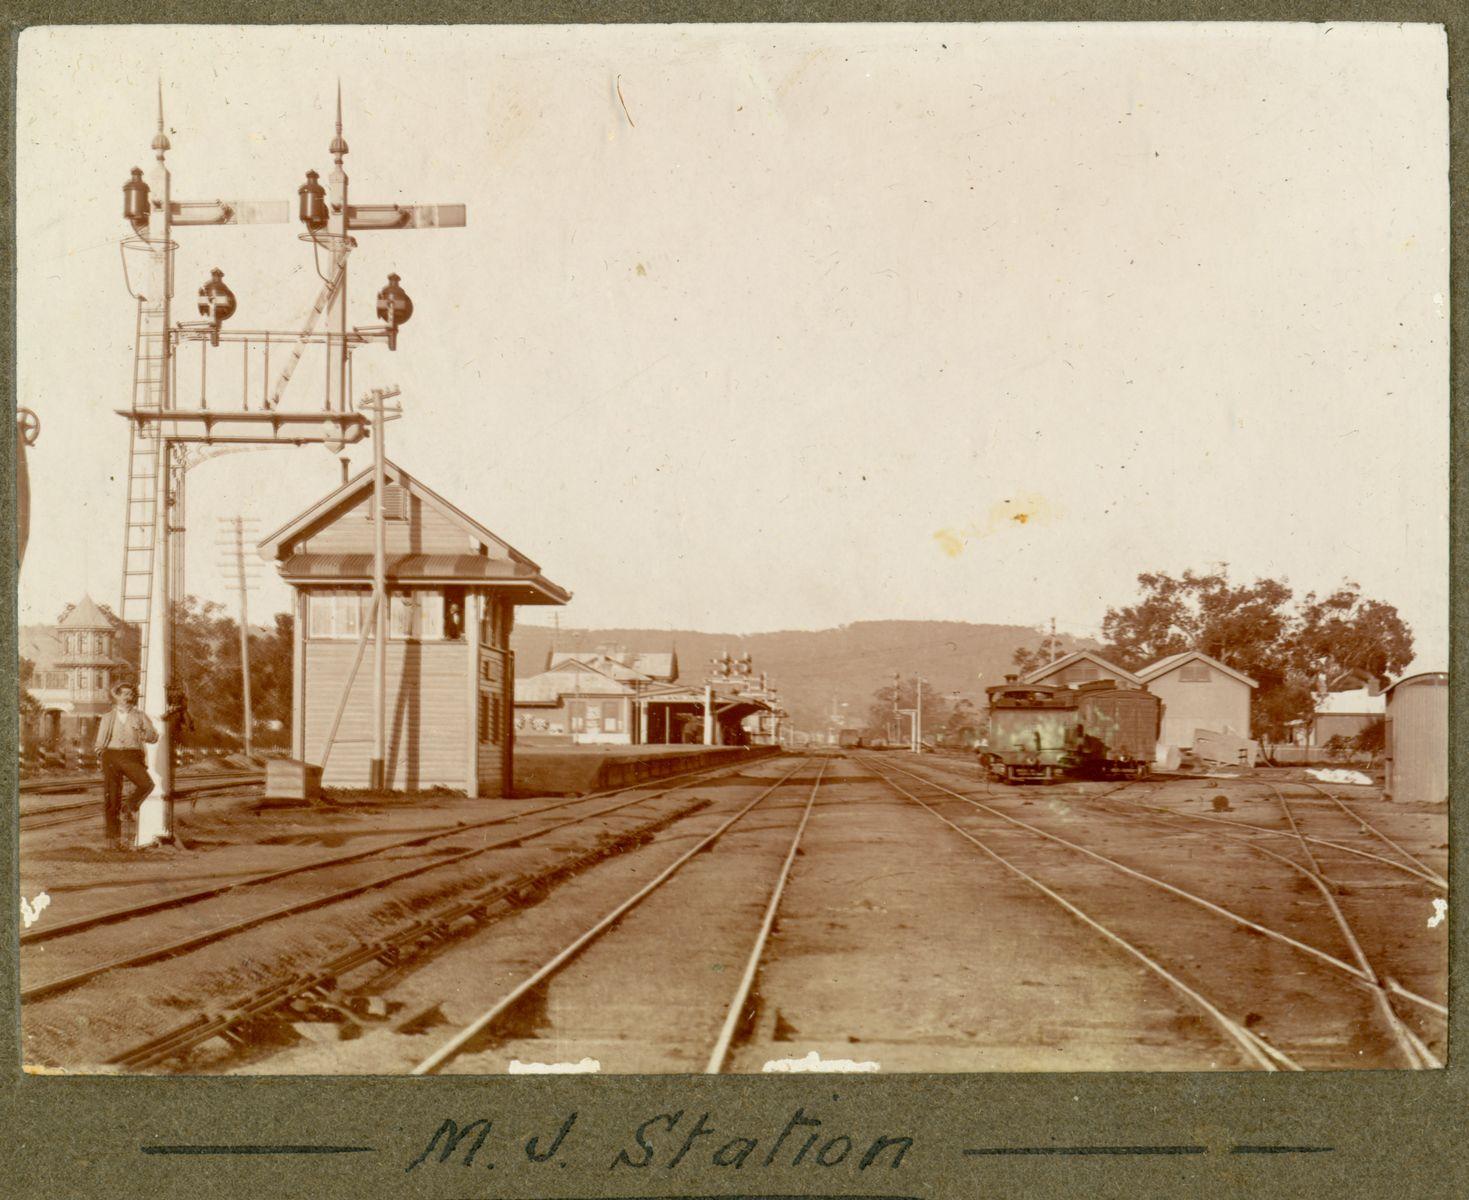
x=304 y=999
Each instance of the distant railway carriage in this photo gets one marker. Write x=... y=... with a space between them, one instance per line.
x=850 y=739
x=1041 y=732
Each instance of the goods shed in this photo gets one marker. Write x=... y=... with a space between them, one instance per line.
x=453 y=589
x=1200 y=695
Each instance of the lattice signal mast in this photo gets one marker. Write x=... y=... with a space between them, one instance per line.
x=166 y=438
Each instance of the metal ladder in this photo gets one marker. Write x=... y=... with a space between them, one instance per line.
x=140 y=517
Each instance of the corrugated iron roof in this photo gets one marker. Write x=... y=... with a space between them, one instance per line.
x=417 y=568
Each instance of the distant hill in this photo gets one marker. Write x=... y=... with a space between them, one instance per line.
x=813 y=668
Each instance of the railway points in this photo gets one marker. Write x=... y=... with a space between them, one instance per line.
x=1410 y=1020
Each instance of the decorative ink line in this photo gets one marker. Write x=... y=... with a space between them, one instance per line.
x=257 y=1149
x=1281 y=1149
x=992 y=1150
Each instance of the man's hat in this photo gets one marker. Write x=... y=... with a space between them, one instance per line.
x=119 y=688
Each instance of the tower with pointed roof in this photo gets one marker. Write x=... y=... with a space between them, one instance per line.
x=76 y=683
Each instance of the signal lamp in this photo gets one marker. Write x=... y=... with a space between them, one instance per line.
x=216 y=302
x=395 y=308
x=312 y=206
x=135 y=201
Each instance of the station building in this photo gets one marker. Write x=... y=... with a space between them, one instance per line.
x=611 y=696
x=454 y=587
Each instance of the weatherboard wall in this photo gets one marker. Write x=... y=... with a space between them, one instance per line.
x=1219 y=703
x=427 y=721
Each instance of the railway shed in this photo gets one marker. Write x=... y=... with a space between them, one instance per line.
x=1417 y=739
x=1200 y=695
x=453 y=589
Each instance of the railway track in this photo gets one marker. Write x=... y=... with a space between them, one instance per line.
x=54 y=815
x=132 y=911
x=70 y=784
x=1020 y=839
x=337 y=986
x=451 y=1049
x=249 y=1006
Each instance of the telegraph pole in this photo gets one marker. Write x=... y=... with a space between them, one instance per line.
x=376 y=402
x=918 y=714
x=235 y=527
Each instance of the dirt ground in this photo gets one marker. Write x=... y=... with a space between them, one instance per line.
x=899 y=942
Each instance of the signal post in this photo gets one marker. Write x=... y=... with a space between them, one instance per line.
x=161 y=429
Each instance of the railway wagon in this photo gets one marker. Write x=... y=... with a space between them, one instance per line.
x=1118 y=729
x=849 y=739
x=1031 y=731
x=1041 y=732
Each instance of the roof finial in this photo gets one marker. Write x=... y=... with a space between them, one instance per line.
x=160 y=139
x=338 y=146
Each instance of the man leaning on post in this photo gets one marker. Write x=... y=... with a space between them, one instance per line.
x=121 y=736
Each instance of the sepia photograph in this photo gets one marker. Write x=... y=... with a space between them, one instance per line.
x=732 y=549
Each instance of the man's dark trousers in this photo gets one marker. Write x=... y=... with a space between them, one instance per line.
x=117 y=766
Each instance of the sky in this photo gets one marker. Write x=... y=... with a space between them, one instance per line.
x=759 y=327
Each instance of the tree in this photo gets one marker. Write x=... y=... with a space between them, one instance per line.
x=963 y=727
x=882 y=724
x=1243 y=626
x=1345 y=631
x=1371 y=739
x=1027 y=659
x=1254 y=629
x=207 y=658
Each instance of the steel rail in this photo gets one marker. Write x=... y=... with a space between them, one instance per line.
x=195 y=941
x=1253 y=844
x=1255 y=1047
x=83 y=810
x=1367 y=825
x=110 y=916
x=1384 y=1006
x=1356 y=972
x=1278 y=833
x=322 y=980
x=451 y=1048
x=74 y=783
x=752 y=964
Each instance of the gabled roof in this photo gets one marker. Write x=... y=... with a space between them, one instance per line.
x=571 y=678
x=1074 y=657
x=359 y=485
x=324 y=511
x=86 y=615
x=596 y=661
x=1173 y=661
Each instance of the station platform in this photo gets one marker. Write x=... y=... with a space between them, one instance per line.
x=576 y=770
